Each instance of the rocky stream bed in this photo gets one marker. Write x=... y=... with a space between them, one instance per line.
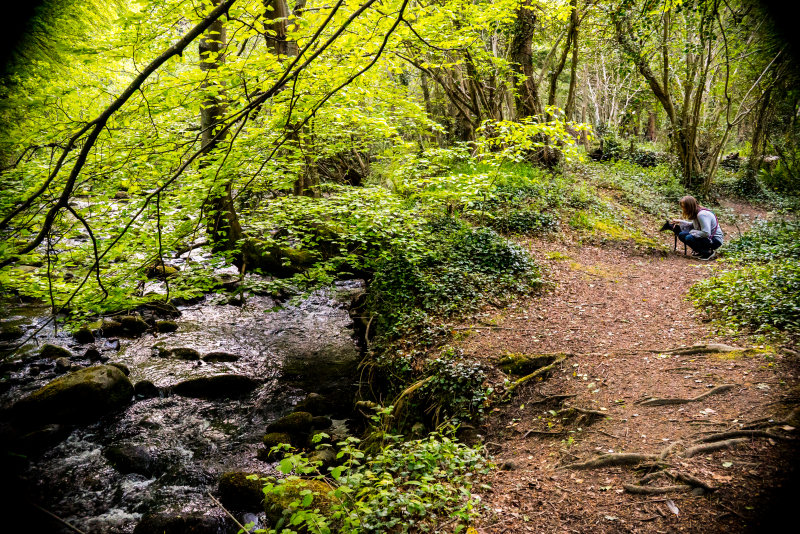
x=138 y=425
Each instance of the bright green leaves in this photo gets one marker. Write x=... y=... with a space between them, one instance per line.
x=513 y=141
x=403 y=487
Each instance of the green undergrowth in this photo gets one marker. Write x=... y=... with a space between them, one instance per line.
x=762 y=291
x=422 y=485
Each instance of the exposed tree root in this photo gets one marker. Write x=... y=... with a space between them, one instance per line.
x=689 y=479
x=702 y=349
x=654 y=490
x=398 y=403
x=743 y=434
x=710 y=447
x=655 y=401
x=545 y=433
x=678 y=476
x=666 y=451
x=539 y=372
x=573 y=414
x=614 y=459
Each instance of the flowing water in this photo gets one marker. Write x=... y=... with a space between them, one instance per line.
x=173 y=447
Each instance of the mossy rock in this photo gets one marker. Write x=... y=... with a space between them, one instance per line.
x=54 y=352
x=10 y=332
x=133 y=324
x=524 y=364
x=219 y=356
x=146 y=389
x=298 y=257
x=316 y=404
x=122 y=367
x=278 y=502
x=78 y=397
x=238 y=492
x=273 y=439
x=294 y=423
x=92 y=354
x=125 y=325
x=161 y=271
x=110 y=327
x=62 y=365
x=216 y=387
x=320 y=422
x=83 y=335
x=281 y=261
x=166 y=326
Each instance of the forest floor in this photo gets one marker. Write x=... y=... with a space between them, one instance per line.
x=615 y=309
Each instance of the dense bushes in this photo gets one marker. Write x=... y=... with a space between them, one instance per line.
x=764 y=292
x=767 y=241
x=450 y=270
x=412 y=486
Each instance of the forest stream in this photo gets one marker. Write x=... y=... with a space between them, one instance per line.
x=204 y=395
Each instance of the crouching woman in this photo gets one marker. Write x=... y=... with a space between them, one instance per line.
x=700 y=231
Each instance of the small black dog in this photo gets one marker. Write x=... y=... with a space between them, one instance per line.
x=676 y=229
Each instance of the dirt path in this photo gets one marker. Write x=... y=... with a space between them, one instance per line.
x=611 y=303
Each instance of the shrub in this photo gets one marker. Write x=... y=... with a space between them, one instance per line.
x=454 y=389
x=455 y=267
x=525 y=221
x=757 y=297
x=767 y=241
x=764 y=293
x=412 y=486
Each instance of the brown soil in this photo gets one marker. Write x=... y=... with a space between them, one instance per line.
x=614 y=308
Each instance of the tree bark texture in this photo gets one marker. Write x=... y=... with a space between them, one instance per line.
x=222 y=221
x=521 y=57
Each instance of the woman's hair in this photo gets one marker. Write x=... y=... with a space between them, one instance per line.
x=690 y=207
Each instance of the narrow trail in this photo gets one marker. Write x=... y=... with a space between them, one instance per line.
x=613 y=309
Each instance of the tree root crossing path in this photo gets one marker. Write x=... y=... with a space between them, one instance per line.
x=652 y=422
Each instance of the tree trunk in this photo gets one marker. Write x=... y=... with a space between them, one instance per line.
x=521 y=58
x=222 y=222
x=650 y=134
x=573 y=78
x=757 y=141
x=573 y=26
x=277 y=13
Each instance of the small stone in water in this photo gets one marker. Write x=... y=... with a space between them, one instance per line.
x=62 y=365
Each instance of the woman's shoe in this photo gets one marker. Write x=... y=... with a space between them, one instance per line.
x=707 y=256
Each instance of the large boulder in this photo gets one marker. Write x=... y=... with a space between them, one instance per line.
x=10 y=332
x=294 y=423
x=54 y=352
x=216 y=386
x=77 y=397
x=125 y=325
